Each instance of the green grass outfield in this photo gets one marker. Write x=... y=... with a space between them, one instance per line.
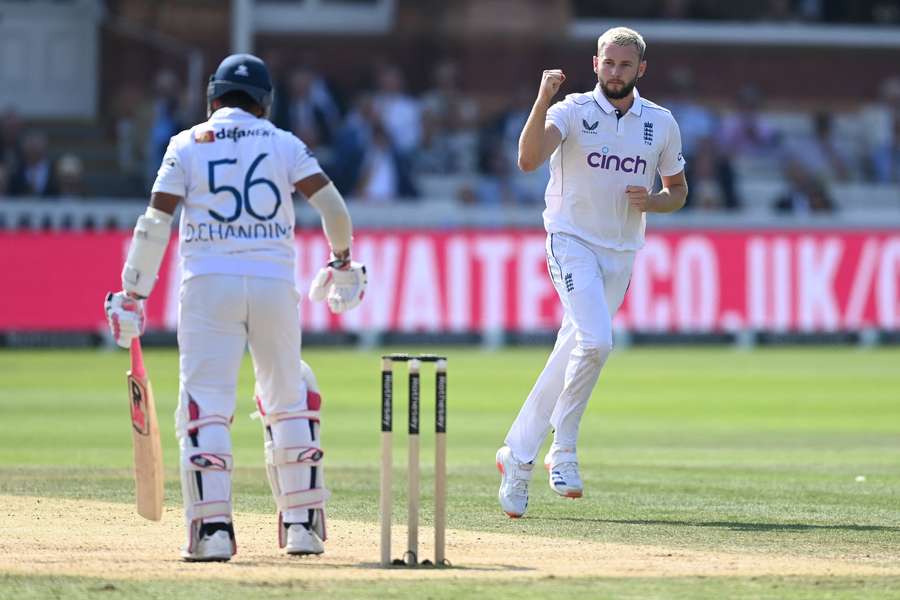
x=706 y=449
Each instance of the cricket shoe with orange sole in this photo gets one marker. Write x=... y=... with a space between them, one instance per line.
x=565 y=478
x=514 y=479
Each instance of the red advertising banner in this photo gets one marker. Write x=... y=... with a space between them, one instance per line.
x=477 y=280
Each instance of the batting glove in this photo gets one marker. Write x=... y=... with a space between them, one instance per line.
x=342 y=284
x=125 y=316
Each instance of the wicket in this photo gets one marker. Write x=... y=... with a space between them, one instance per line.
x=411 y=556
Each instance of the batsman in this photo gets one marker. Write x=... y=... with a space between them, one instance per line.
x=234 y=176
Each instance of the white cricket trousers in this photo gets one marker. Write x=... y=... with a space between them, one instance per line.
x=218 y=317
x=591 y=282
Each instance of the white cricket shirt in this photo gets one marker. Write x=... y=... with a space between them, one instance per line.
x=599 y=155
x=236 y=174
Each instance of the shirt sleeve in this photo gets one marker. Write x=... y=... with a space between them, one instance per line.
x=171 y=177
x=671 y=161
x=558 y=114
x=304 y=162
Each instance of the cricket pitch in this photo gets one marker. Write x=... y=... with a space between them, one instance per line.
x=53 y=536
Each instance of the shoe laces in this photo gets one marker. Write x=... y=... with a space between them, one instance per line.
x=568 y=470
x=520 y=486
x=519 y=482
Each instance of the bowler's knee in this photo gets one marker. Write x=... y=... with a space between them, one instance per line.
x=595 y=350
x=589 y=359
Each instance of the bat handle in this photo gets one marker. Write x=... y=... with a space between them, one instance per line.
x=137 y=359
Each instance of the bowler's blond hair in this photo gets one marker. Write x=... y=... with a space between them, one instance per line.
x=622 y=36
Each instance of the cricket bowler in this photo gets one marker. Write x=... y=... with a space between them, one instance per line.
x=605 y=147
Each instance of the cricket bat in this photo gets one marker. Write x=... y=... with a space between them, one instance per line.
x=148 y=467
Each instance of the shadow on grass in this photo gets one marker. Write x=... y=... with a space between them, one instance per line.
x=278 y=562
x=731 y=525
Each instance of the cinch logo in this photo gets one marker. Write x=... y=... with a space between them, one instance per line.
x=614 y=162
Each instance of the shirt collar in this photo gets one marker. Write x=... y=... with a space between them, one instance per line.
x=604 y=103
x=231 y=112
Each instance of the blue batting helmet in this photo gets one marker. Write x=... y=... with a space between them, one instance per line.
x=243 y=73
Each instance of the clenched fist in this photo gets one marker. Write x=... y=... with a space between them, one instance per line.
x=638 y=197
x=551 y=80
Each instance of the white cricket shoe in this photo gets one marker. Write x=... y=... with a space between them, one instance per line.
x=214 y=547
x=565 y=479
x=302 y=541
x=514 y=479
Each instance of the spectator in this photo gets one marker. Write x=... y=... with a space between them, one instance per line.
x=11 y=142
x=36 y=175
x=312 y=117
x=166 y=121
x=882 y=126
x=501 y=134
x=366 y=162
x=822 y=155
x=805 y=194
x=449 y=120
x=279 y=111
x=322 y=93
x=351 y=141
x=400 y=113
x=695 y=121
x=886 y=159
x=708 y=168
x=379 y=178
x=70 y=175
x=501 y=137
x=499 y=186
x=4 y=180
x=436 y=154
x=747 y=133
x=707 y=195
x=130 y=144
x=712 y=178
x=880 y=117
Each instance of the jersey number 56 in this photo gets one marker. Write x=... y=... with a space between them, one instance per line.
x=242 y=201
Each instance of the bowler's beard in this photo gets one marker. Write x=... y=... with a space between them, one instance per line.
x=624 y=91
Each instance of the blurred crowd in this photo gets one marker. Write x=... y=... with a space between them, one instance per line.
x=29 y=168
x=807 y=150
x=383 y=142
x=827 y=11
